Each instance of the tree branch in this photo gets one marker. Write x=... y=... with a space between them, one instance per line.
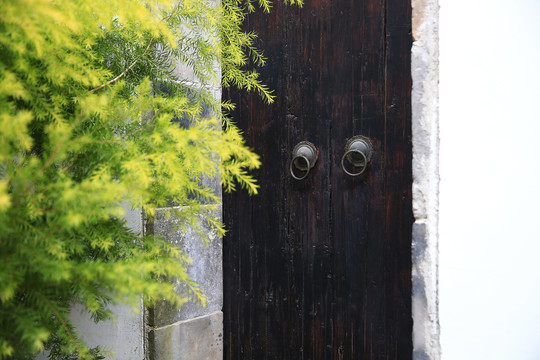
x=125 y=71
x=134 y=62
x=61 y=319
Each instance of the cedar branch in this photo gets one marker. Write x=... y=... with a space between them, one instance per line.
x=125 y=71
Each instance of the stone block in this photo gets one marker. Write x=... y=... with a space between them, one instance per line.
x=200 y=338
x=206 y=271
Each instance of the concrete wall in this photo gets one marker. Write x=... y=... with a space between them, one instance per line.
x=425 y=125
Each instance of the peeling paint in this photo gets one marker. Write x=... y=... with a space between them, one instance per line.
x=419 y=11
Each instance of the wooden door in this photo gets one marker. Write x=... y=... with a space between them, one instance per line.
x=321 y=268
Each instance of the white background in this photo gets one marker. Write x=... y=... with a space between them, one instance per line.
x=490 y=179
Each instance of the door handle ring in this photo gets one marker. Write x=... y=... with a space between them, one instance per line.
x=358 y=152
x=304 y=157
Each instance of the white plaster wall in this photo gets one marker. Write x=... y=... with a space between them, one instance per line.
x=124 y=335
x=425 y=127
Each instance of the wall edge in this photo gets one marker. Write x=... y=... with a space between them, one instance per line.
x=425 y=130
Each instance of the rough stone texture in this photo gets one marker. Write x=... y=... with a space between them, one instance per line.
x=425 y=124
x=206 y=271
x=200 y=338
x=193 y=332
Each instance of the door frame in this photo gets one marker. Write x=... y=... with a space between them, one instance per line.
x=425 y=131
x=425 y=169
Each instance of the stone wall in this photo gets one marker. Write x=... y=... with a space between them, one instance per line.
x=161 y=332
x=194 y=331
x=425 y=125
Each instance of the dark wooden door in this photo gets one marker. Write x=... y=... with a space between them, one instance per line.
x=321 y=268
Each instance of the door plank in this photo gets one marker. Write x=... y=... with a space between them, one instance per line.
x=320 y=268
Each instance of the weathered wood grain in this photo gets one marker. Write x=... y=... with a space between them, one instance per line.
x=321 y=268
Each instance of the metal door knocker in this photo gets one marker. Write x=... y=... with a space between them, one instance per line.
x=304 y=157
x=358 y=152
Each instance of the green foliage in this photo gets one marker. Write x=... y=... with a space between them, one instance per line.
x=94 y=118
